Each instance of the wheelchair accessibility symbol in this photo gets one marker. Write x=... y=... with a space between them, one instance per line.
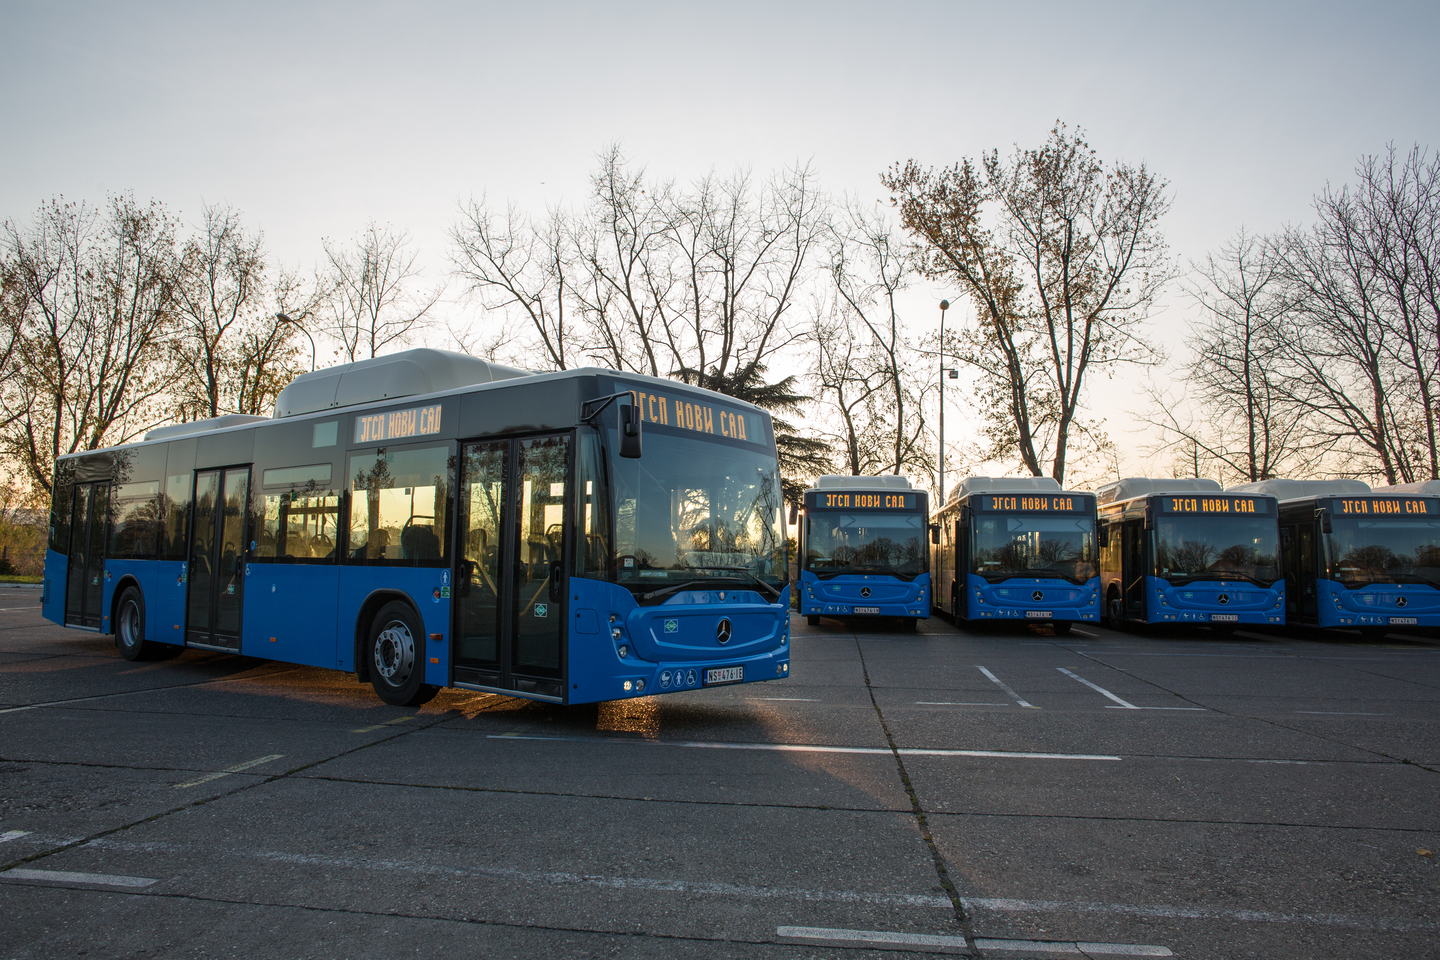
x=672 y=626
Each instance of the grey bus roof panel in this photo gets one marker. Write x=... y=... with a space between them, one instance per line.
x=973 y=485
x=202 y=426
x=1283 y=490
x=1131 y=487
x=406 y=374
x=842 y=482
x=1424 y=488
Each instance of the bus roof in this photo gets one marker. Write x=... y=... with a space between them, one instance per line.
x=886 y=482
x=973 y=485
x=405 y=374
x=1131 y=487
x=1304 y=489
x=1425 y=488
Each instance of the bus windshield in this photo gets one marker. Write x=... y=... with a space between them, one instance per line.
x=1385 y=550
x=1034 y=546
x=857 y=541
x=1217 y=548
x=694 y=509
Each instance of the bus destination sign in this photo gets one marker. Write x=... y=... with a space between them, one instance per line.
x=860 y=501
x=1387 y=507
x=699 y=417
x=1031 y=504
x=398 y=424
x=1241 y=506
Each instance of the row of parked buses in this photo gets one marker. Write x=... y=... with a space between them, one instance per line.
x=1329 y=554
x=428 y=519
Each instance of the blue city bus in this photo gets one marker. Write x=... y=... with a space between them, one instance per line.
x=862 y=550
x=427 y=519
x=1358 y=558
x=1185 y=551
x=1017 y=548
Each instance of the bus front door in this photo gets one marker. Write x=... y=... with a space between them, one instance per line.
x=510 y=625
x=1132 y=561
x=216 y=564
x=85 y=572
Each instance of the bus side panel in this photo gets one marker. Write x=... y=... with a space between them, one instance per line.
x=290 y=612
x=1378 y=605
x=53 y=608
x=428 y=589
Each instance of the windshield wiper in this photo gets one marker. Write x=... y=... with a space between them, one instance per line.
x=769 y=588
x=708 y=581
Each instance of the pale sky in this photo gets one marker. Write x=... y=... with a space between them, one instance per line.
x=314 y=118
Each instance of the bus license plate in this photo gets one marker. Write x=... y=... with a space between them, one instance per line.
x=1039 y=614
x=1225 y=617
x=871 y=610
x=1405 y=621
x=718 y=675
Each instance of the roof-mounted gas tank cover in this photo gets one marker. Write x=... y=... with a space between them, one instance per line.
x=973 y=485
x=1132 y=487
x=885 y=482
x=405 y=374
x=1304 y=489
x=1424 y=488
x=202 y=426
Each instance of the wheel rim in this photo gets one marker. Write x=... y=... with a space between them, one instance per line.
x=129 y=623
x=395 y=653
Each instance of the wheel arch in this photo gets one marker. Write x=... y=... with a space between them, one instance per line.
x=368 y=608
x=125 y=582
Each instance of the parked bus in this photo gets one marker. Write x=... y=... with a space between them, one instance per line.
x=862 y=550
x=1017 y=549
x=1185 y=551
x=1356 y=557
x=427 y=519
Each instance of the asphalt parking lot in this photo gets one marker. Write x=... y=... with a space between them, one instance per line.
x=1005 y=794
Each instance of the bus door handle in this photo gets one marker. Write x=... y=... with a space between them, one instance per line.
x=555 y=592
x=467 y=571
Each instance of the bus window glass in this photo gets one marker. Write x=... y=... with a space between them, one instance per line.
x=175 y=511
x=398 y=499
x=1217 y=548
x=693 y=508
x=1386 y=550
x=1034 y=546
x=593 y=510
x=852 y=541
x=135 y=531
x=298 y=527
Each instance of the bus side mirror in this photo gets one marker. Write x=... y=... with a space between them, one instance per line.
x=630 y=432
x=934 y=533
x=1102 y=536
x=794 y=513
x=1323 y=515
x=965 y=514
x=1149 y=518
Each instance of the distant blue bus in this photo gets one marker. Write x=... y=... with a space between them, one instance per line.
x=863 y=550
x=1186 y=551
x=1017 y=549
x=1354 y=557
x=427 y=519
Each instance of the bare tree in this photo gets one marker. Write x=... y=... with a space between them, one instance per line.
x=374 y=300
x=89 y=304
x=1062 y=282
x=1364 y=282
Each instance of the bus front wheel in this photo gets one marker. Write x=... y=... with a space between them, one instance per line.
x=812 y=619
x=1061 y=627
x=130 y=628
x=397 y=657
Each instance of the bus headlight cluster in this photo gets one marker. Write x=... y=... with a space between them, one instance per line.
x=782 y=668
x=624 y=651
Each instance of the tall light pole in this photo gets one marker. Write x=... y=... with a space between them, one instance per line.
x=944 y=305
x=284 y=319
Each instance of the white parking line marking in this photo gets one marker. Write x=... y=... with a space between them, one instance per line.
x=1098 y=689
x=229 y=770
x=1331 y=713
x=66 y=876
x=874 y=938
x=1074 y=949
x=9 y=835
x=1001 y=684
x=1201 y=709
x=1082 y=633
x=382 y=726
x=790 y=699
x=809 y=748
x=955 y=703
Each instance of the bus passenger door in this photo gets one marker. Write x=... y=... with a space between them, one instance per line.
x=215 y=570
x=1132 y=565
x=484 y=480
x=542 y=469
x=85 y=572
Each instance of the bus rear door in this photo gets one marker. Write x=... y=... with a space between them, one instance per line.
x=514 y=525
x=215 y=569
x=85 y=572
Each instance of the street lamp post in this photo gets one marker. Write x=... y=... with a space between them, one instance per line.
x=944 y=305
x=284 y=319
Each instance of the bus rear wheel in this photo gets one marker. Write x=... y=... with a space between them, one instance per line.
x=397 y=657
x=130 y=628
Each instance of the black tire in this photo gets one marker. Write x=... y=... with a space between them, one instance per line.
x=130 y=628
x=1373 y=634
x=909 y=623
x=396 y=657
x=1110 y=613
x=1061 y=627
x=813 y=619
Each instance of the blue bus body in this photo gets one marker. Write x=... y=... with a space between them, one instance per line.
x=1017 y=549
x=862 y=549
x=1186 y=552
x=488 y=536
x=1357 y=558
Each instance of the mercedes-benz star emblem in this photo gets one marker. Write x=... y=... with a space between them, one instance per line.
x=722 y=630
x=1223 y=598
x=1401 y=601
x=1037 y=595
x=865 y=591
